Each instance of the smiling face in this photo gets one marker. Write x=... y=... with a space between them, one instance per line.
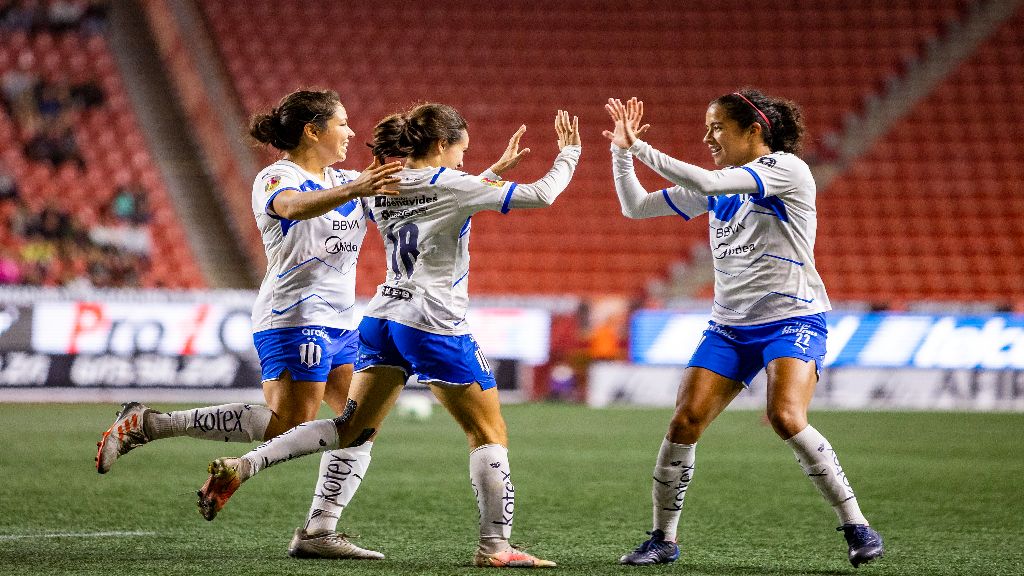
x=731 y=144
x=451 y=155
x=331 y=142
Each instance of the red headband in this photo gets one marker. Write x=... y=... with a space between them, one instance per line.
x=758 y=110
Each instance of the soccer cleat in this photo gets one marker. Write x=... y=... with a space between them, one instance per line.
x=656 y=550
x=226 y=475
x=511 y=557
x=333 y=545
x=124 y=435
x=865 y=544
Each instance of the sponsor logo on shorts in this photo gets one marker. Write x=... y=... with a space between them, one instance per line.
x=318 y=332
x=803 y=334
x=717 y=329
x=310 y=354
x=397 y=293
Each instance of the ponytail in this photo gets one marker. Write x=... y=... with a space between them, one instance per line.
x=412 y=133
x=284 y=125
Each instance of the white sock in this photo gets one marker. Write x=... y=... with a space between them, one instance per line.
x=819 y=461
x=303 y=440
x=341 y=472
x=227 y=422
x=495 y=495
x=672 y=474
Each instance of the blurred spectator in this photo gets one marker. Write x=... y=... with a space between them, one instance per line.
x=88 y=94
x=94 y=19
x=10 y=265
x=52 y=100
x=117 y=233
x=8 y=185
x=51 y=223
x=18 y=87
x=55 y=143
x=22 y=16
x=32 y=16
x=131 y=204
x=64 y=15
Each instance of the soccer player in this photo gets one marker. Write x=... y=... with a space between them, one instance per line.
x=769 y=301
x=416 y=323
x=312 y=218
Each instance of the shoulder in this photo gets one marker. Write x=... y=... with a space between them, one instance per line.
x=781 y=166
x=458 y=180
x=781 y=162
x=274 y=176
x=343 y=175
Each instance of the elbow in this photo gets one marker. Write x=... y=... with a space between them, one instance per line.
x=287 y=213
x=629 y=213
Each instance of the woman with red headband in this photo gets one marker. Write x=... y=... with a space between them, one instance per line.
x=770 y=302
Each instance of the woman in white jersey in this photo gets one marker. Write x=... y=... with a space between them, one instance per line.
x=415 y=325
x=769 y=302
x=312 y=220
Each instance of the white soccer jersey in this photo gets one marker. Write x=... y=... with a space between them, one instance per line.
x=426 y=237
x=311 y=264
x=762 y=226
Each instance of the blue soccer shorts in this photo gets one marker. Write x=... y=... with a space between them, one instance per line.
x=740 y=352
x=309 y=353
x=432 y=358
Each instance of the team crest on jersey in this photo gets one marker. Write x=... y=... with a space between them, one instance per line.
x=310 y=353
x=272 y=183
x=769 y=162
x=494 y=183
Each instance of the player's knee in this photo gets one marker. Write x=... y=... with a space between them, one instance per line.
x=686 y=424
x=487 y=433
x=297 y=415
x=787 y=421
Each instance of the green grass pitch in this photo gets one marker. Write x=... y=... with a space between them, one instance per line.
x=945 y=490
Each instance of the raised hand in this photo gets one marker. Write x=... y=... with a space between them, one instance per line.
x=512 y=156
x=568 y=132
x=372 y=180
x=627 y=121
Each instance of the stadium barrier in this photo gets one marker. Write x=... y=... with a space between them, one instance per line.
x=874 y=361
x=53 y=342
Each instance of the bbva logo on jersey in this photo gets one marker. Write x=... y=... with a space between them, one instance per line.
x=310 y=353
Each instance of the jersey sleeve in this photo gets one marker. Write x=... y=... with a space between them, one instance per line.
x=268 y=185
x=638 y=203
x=706 y=182
x=776 y=174
x=479 y=192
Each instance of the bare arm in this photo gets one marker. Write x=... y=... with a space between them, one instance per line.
x=294 y=205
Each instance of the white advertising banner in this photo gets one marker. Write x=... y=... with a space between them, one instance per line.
x=846 y=388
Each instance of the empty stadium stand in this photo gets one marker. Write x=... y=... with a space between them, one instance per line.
x=503 y=65
x=935 y=210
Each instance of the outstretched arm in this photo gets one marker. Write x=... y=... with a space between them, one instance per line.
x=543 y=192
x=295 y=205
x=634 y=200
x=708 y=182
